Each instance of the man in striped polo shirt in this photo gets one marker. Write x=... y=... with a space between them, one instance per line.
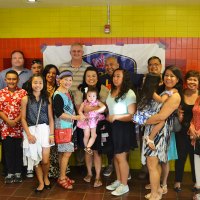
x=77 y=66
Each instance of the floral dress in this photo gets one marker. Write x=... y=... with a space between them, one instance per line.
x=161 y=140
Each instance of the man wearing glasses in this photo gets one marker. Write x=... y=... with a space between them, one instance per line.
x=17 y=62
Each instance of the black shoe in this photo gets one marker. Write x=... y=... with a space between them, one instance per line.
x=47 y=187
x=142 y=175
x=177 y=189
x=39 y=191
x=194 y=189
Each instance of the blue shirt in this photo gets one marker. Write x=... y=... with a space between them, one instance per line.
x=24 y=76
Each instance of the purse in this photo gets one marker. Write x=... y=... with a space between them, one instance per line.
x=63 y=135
x=176 y=124
x=197 y=147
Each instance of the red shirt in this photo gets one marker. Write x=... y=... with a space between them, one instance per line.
x=196 y=114
x=10 y=105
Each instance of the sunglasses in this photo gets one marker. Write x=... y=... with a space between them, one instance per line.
x=36 y=61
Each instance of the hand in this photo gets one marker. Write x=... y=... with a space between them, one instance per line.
x=83 y=117
x=111 y=118
x=51 y=140
x=11 y=123
x=80 y=117
x=180 y=114
x=89 y=108
x=31 y=139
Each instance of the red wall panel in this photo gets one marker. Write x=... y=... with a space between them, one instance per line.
x=183 y=52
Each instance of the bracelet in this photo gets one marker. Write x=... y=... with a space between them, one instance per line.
x=51 y=136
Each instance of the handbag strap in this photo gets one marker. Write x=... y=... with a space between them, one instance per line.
x=38 y=112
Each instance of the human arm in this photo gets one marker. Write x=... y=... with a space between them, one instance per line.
x=51 y=121
x=58 y=105
x=80 y=111
x=10 y=122
x=167 y=109
x=24 y=102
x=101 y=108
x=160 y=99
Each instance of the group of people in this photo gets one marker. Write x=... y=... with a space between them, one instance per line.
x=75 y=96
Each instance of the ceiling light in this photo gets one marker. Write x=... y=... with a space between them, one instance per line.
x=32 y=1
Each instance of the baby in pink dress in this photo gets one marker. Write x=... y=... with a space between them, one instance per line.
x=91 y=108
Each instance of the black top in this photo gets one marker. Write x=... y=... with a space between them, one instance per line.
x=187 y=117
x=58 y=109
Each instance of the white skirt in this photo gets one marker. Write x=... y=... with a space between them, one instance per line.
x=41 y=132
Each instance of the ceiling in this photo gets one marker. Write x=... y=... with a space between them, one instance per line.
x=61 y=3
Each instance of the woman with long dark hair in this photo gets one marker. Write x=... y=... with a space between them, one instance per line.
x=121 y=104
x=91 y=79
x=172 y=78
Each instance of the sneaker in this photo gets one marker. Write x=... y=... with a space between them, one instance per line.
x=122 y=189
x=29 y=174
x=129 y=176
x=113 y=185
x=108 y=171
x=9 y=179
x=18 y=178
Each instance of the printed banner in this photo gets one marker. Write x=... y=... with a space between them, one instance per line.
x=132 y=57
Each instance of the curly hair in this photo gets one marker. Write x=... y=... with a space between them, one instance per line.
x=125 y=86
x=44 y=93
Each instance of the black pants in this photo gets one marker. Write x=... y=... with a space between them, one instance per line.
x=13 y=154
x=184 y=148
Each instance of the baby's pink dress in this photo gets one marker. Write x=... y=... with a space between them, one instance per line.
x=92 y=116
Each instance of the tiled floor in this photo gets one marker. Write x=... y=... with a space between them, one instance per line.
x=85 y=191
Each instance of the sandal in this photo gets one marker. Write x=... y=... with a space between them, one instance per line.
x=164 y=189
x=148 y=187
x=71 y=181
x=88 y=150
x=97 y=183
x=148 y=196
x=88 y=178
x=65 y=184
x=150 y=143
x=196 y=197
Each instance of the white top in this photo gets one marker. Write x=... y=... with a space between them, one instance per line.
x=120 y=107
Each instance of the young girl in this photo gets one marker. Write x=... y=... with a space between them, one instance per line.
x=144 y=110
x=90 y=118
x=43 y=133
x=64 y=118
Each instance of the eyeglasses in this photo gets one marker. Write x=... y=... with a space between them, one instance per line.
x=36 y=61
x=153 y=65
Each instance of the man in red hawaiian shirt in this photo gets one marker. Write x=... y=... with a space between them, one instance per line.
x=11 y=128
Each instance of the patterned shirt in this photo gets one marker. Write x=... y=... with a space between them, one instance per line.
x=196 y=114
x=10 y=105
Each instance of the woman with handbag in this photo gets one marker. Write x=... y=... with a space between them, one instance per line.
x=183 y=141
x=194 y=132
x=64 y=118
x=37 y=121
